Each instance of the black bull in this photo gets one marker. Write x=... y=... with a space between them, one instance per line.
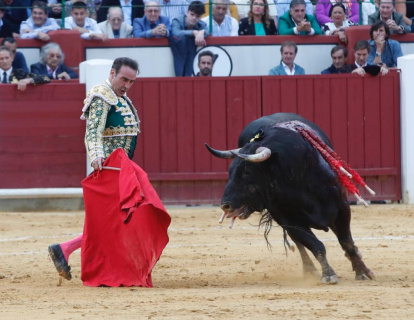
x=279 y=173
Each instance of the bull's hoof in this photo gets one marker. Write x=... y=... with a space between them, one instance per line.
x=365 y=276
x=330 y=279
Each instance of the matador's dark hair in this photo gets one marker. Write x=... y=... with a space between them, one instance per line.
x=125 y=61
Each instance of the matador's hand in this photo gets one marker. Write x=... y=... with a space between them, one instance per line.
x=97 y=164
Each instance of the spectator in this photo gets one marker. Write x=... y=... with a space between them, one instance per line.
x=368 y=8
x=243 y=7
x=51 y=64
x=406 y=8
x=152 y=24
x=361 y=66
x=339 y=55
x=5 y=26
x=38 y=25
x=87 y=27
x=187 y=32
x=258 y=21
x=383 y=49
x=115 y=27
x=131 y=8
x=339 y=22
x=205 y=63
x=297 y=22
x=19 y=61
x=394 y=20
x=18 y=76
x=55 y=9
x=323 y=7
x=92 y=7
x=15 y=14
x=223 y=24
x=173 y=8
x=288 y=51
x=283 y=6
x=232 y=10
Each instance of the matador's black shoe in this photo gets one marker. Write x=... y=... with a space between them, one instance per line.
x=62 y=267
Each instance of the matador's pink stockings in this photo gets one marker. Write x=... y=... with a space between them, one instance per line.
x=70 y=246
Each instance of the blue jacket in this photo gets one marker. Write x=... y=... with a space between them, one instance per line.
x=183 y=46
x=389 y=56
x=280 y=70
x=19 y=62
x=40 y=68
x=142 y=27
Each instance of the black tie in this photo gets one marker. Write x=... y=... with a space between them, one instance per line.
x=152 y=25
x=4 y=80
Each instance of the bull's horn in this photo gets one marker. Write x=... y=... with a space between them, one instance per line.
x=262 y=154
x=226 y=154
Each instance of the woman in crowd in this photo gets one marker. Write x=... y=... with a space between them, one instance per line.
x=258 y=21
x=384 y=51
x=51 y=63
x=323 y=8
x=339 y=22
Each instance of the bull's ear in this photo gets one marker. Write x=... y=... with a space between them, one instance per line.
x=223 y=154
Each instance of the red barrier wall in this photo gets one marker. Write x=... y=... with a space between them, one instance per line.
x=41 y=136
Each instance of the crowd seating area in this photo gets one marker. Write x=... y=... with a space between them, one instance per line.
x=248 y=55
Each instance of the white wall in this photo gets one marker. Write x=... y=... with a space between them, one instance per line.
x=406 y=64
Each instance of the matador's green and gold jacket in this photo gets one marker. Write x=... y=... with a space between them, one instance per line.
x=112 y=122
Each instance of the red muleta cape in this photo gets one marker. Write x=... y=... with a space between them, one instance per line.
x=125 y=227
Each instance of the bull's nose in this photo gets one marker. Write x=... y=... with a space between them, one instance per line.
x=225 y=207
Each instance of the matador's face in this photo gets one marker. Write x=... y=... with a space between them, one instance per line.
x=123 y=80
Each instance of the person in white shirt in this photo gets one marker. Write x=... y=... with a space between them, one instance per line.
x=38 y=25
x=223 y=24
x=87 y=27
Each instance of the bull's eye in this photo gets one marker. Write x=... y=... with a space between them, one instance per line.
x=252 y=189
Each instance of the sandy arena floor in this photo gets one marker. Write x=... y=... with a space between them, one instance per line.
x=208 y=271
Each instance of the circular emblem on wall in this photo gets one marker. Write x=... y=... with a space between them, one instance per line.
x=223 y=66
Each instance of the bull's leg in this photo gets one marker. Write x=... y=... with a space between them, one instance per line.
x=308 y=266
x=306 y=238
x=341 y=228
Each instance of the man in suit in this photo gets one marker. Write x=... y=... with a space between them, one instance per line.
x=287 y=66
x=14 y=15
x=131 y=8
x=115 y=26
x=51 y=64
x=297 y=22
x=339 y=55
x=393 y=19
x=19 y=61
x=5 y=26
x=16 y=76
x=361 y=66
x=152 y=24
